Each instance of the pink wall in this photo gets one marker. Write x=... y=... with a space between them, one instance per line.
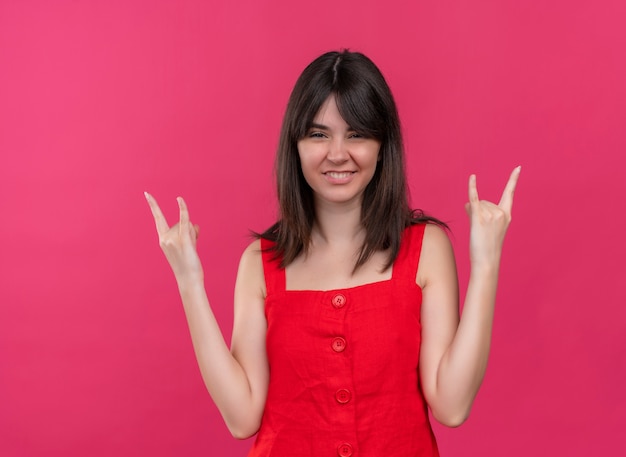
x=100 y=101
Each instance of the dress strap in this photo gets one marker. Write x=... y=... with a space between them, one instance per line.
x=408 y=258
x=274 y=274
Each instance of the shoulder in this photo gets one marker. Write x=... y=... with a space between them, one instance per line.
x=250 y=273
x=435 y=236
x=437 y=256
x=252 y=251
x=431 y=237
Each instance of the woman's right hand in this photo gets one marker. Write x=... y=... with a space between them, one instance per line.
x=178 y=242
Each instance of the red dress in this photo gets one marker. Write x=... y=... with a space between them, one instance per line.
x=343 y=366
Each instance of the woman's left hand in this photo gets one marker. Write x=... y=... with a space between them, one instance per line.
x=489 y=222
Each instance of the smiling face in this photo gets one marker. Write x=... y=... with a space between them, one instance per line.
x=337 y=162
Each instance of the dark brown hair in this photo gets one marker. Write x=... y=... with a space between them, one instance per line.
x=366 y=104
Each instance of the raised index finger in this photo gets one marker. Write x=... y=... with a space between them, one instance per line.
x=506 y=202
x=159 y=219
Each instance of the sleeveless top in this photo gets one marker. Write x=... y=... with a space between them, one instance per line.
x=344 y=366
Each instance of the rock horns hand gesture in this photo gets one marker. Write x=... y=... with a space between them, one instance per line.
x=178 y=242
x=489 y=222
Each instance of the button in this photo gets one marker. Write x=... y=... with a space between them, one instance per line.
x=343 y=396
x=339 y=301
x=344 y=450
x=338 y=344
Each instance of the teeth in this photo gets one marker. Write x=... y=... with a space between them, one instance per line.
x=338 y=175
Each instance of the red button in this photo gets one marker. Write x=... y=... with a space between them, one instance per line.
x=343 y=396
x=339 y=301
x=338 y=344
x=344 y=450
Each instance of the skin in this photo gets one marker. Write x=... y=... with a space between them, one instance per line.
x=454 y=349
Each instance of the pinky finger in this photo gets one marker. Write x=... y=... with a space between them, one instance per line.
x=184 y=212
x=472 y=190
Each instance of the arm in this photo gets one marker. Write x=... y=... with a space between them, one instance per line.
x=237 y=380
x=455 y=351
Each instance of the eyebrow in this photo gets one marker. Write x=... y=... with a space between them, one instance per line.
x=315 y=125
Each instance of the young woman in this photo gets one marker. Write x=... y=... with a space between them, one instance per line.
x=346 y=326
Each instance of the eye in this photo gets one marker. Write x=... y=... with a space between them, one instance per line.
x=356 y=135
x=316 y=134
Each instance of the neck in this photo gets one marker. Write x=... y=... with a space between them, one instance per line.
x=338 y=225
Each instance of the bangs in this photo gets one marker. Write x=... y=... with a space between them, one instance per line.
x=307 y=109
x=358 y=107
x=361 y=110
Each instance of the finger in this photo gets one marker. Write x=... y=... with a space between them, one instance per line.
x=473 y=191
x=184 y=212
x=197 y=229
x=193 y=232
x=159 y=219
x=506 y=202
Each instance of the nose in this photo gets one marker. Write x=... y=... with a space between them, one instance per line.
x=337 y=151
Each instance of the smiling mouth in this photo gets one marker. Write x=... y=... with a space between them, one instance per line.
x=339 y=174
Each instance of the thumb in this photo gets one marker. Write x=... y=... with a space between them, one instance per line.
x=468 y=209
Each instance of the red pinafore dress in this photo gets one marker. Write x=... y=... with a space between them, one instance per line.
x=344 y=366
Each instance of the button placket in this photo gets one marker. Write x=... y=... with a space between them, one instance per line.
x=337 y=311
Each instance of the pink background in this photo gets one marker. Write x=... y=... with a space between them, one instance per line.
x=102 y=100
